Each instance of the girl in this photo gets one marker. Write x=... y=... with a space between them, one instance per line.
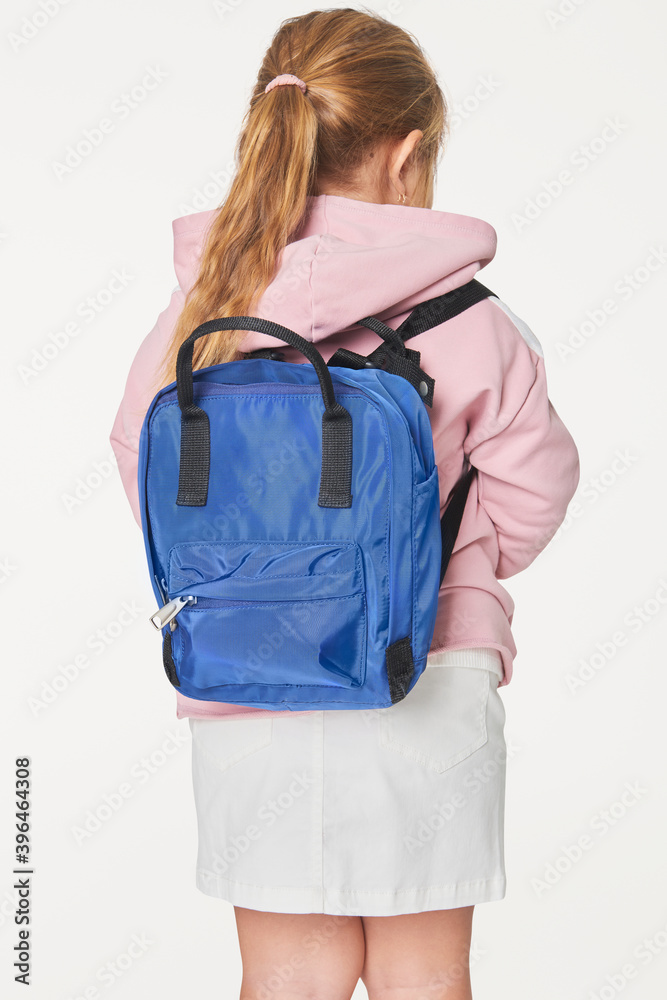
x=355 y=844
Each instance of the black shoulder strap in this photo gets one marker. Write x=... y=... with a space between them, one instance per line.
x=424 y=317
x=393 y=356
x=438 y=310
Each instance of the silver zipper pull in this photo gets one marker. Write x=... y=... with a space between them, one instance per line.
x=167 y=613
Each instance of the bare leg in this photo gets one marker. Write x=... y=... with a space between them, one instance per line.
x=418 y=956
x=293 y=956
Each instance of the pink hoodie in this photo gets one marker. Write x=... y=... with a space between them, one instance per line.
x=354 y=259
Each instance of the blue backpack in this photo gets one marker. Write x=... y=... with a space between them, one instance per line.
x=291 y=518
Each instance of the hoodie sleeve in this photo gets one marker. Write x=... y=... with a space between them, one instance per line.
x=528 y=469
x=137 y=397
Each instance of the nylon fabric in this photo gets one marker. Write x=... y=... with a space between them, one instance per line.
x=360 y=579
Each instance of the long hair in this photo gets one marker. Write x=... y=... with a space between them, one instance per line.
x=369 y=83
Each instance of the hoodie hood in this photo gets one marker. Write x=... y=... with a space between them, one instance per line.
x=351 y=259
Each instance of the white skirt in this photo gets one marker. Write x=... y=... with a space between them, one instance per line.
x=371 y=812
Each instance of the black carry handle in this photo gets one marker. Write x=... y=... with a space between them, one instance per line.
x=193 y=477
x=392 y=356
x=450 y=521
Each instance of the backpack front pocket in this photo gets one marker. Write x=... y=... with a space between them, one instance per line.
x=289 y=613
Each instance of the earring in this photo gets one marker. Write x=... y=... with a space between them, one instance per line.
x=402 y=198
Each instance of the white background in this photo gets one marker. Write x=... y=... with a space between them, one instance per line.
x=67 y=571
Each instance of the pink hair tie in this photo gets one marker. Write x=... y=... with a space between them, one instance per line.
x=285 y=78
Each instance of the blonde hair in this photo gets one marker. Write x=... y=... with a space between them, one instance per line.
x=369 y=83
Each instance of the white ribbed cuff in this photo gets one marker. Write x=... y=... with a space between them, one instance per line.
x=482 y=657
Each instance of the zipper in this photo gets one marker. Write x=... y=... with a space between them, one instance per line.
x=232 y=602
x=268 y=388
x=166 y=614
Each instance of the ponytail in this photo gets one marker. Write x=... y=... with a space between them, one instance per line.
x=368 y=82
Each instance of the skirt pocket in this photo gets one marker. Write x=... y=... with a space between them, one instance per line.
x=442 y=720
